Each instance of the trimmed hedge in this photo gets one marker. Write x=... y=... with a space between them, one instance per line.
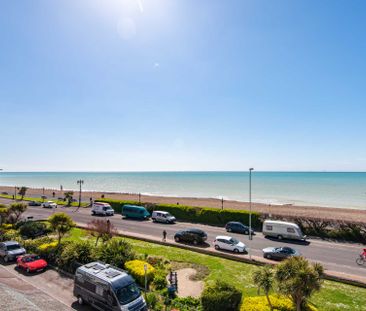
x=136 y=269
x=204 y=215
x=279 y=303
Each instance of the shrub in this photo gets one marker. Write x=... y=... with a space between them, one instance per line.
x=8 y=226
x=49 y=251
x=11 y=234
x=187 y=304
x=153 y=301
x=280 y=303
x=136 y=269
x=205 y=215
x=160 y=281
x=220 y=296
x=158 y=261
x=116 y=252
x=32 y=245
x=75 y=254
x=32 y=229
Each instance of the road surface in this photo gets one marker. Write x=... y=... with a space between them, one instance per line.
x=338 y=257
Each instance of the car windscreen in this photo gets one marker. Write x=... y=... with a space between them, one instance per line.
x=127 y=294
x=12 y=247
x=234 y=241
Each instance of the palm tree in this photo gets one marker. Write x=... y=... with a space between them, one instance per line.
x=299 y=279
x=60 y=223
x=68 y=197
x=22 y=192
x=264 y=278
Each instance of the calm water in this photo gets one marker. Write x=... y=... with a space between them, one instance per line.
x=326 y=189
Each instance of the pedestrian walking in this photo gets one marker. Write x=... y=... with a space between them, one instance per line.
x=164 y=236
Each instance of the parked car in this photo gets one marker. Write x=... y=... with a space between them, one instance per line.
x=193 y=235
x=101 y=208
x=34 y=203
x=282 y=230
x=135 y=211
x=31 y=263
x=165 y=217
x=107 y=288
x=230 y=244
x=237 y=227
x=49 y=204
x=10 y=250
x=279 y=253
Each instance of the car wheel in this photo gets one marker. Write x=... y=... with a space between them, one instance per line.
x=236 y=250
x=228 y=230
x=217 y=247
x=269 y=256
x=154 y=220
x=6 y=259
x=177 y=239
x=80 y=300
x=246 y=232
x=93 y=213
x=27 y=270
x=280 y=237
x=195 y=242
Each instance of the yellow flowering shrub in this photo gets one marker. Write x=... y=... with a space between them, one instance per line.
x=47 y=247
x=279 y=303
x=136 y=269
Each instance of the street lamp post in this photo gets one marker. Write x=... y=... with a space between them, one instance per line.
x=145 y=270
x=80 y=182
x=250 y=203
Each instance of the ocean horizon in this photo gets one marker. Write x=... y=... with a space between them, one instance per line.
x=328 y=189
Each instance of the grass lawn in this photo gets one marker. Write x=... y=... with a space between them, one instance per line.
x=333 y=296
x=58 y=202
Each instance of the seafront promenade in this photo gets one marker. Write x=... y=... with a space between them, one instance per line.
x=327 y=213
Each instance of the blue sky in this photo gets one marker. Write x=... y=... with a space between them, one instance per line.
x=182 y=85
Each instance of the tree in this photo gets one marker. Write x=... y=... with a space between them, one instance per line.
x=299 y=279
x=68 y=197
x=60 y=223
x=22 y=192
x=101 y=229
x=116 y=252
x=264 y=280
x=15 y=210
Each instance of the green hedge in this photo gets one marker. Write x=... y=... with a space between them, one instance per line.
x=203 y=215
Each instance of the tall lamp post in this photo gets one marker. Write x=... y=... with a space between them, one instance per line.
x=250 y=203
x=80 y=182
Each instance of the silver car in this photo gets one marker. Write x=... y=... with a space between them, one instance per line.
x=10 y=250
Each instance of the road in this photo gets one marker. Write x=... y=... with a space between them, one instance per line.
x=338 y=257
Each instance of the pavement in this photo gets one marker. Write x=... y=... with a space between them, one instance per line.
x=338 y=258
x=45 y=291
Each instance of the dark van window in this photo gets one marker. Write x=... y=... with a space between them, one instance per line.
x=268 y=227
x=290 y=230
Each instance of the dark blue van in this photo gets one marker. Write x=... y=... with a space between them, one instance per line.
x=135 y=211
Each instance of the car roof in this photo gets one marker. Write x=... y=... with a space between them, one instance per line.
x=224 y=237
x=235 y=222
x=163 y=212
x=10 y=243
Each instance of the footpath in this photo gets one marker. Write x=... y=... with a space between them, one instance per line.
x=256 y=260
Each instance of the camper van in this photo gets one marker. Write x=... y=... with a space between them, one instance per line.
x=135 y=211
x=101 y=208
x=282 y=230
x=107 y=288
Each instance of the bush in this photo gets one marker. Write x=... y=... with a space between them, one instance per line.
x=160 y=281
x=10 y=235
x=32 y=245
x=153 y=302
x=279 y=303
x=32 y=229
x=136 y=269
x=49 y=251
x=220 y=296
x=75 y=254
x=205 y=215
x=187 y=304
x=8 y=227
x=158 y=262
x=116 y=252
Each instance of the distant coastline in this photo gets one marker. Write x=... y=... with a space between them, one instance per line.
x=326 y=189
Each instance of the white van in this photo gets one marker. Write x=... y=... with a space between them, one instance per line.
x=282 y=230
x=160 y=216
x=101 y=208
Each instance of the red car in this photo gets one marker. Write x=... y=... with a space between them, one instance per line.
x=31 y=263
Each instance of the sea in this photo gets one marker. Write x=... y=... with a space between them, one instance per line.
x=328 y=189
